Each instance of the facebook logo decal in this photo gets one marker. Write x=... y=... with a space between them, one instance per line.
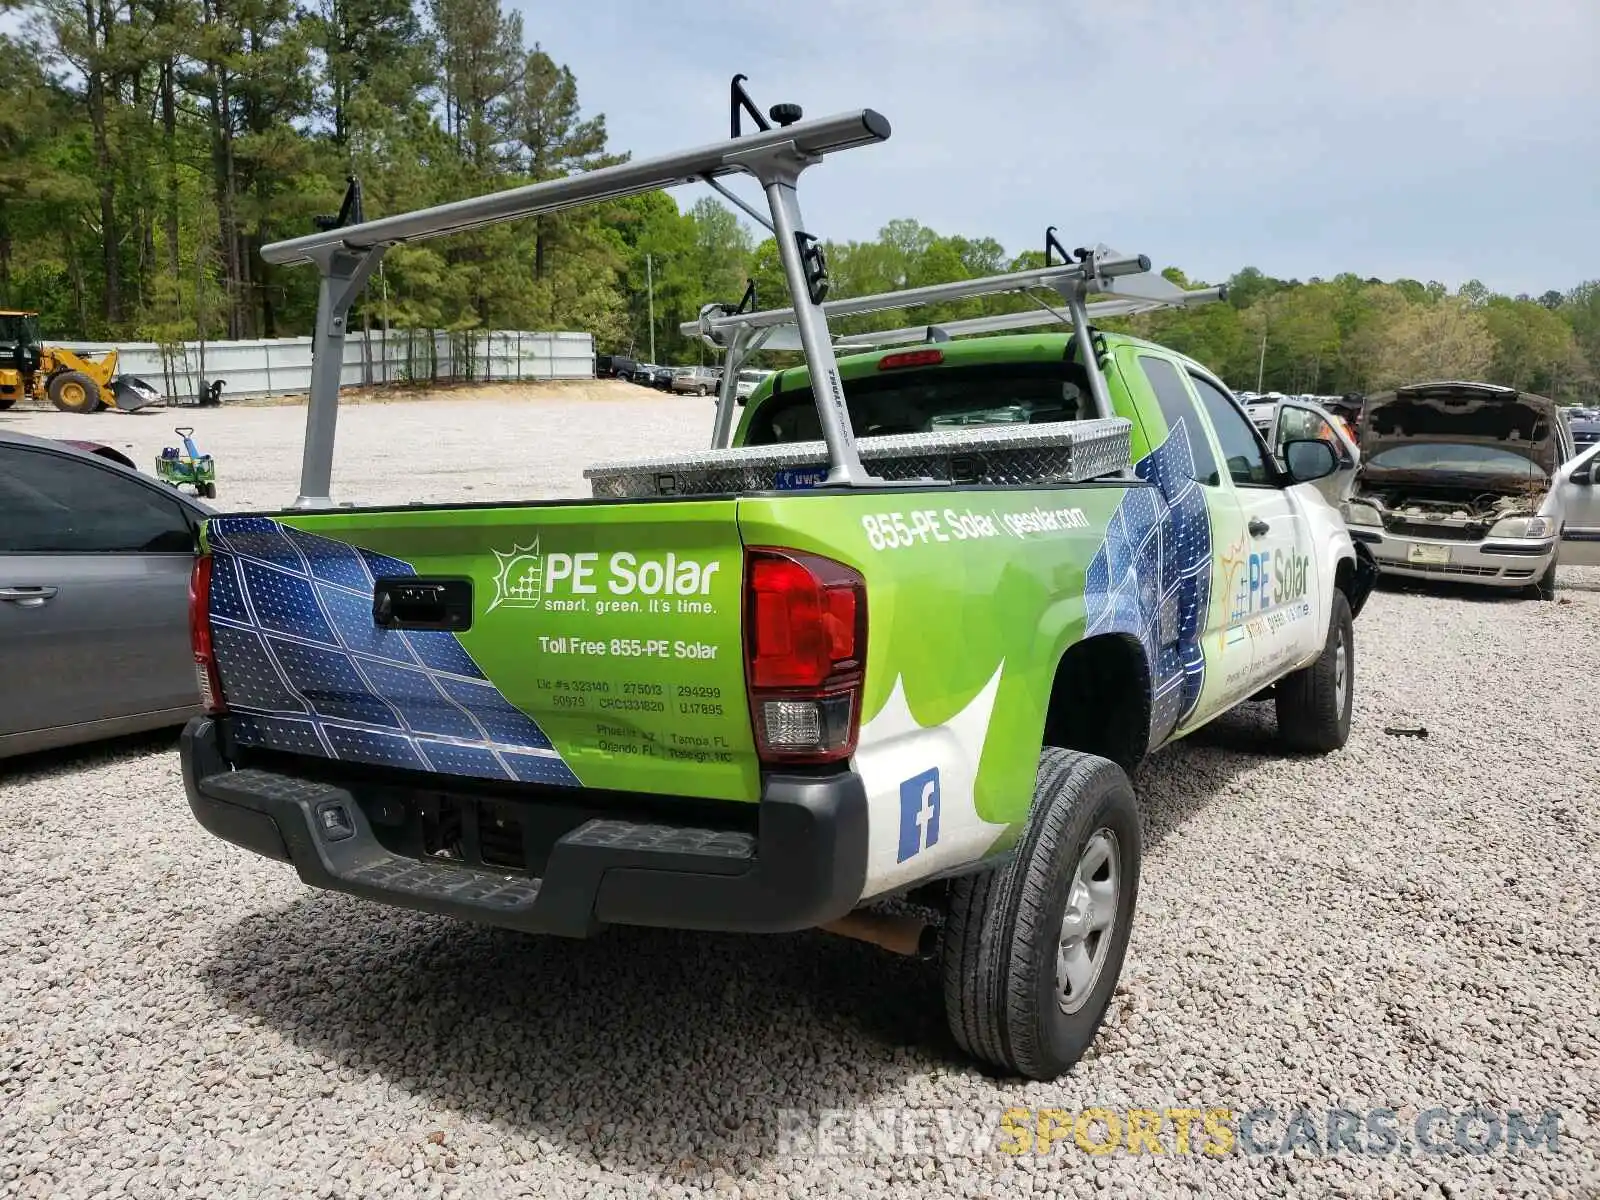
x=919 y=813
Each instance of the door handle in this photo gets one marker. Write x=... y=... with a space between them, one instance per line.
x=27 y=597
x=1258 y=527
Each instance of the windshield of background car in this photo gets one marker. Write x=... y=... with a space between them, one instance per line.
x=1457 y=459
x=920 y=401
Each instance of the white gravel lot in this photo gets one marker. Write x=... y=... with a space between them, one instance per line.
x=1405 y=924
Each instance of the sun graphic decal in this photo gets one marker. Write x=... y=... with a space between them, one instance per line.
x=518 y=578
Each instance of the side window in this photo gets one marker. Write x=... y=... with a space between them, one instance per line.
x=1177 y=405
x=1247 y=463
x=54 y=504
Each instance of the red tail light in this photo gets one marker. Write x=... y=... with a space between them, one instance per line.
x=911 y=358
x=805 y=654
x=205 y=659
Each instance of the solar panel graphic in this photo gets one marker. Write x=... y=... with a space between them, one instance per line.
x=305 y=669
x=1155 y=579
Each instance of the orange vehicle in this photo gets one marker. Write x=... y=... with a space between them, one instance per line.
x=72 y=382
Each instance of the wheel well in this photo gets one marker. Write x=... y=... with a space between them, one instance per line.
x=1356 y=584
x=1100 y=701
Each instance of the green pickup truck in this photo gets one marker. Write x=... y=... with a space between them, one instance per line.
x=768 y=686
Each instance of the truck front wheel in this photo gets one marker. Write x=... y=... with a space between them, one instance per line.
x=1033 y=949
x=1314 y=703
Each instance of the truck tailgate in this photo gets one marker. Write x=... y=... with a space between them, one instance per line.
x=577 y=644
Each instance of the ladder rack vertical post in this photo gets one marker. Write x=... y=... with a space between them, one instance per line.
x=778 y=173
x=344 y=274
x=728 y=388
x=1083 y=333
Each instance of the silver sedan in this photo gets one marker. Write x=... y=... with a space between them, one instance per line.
x=95 y=561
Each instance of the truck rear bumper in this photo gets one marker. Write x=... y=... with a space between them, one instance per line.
x=805 y=865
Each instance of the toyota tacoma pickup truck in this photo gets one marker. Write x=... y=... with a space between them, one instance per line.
x=768 y=686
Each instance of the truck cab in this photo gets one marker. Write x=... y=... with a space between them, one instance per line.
x=1258 y=556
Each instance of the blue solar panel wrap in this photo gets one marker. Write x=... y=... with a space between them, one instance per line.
x=306 y=671
x=1153 y=577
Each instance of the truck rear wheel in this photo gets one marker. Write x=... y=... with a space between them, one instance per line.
x=73 y=391
x=1314 y=703
x=1033 y=949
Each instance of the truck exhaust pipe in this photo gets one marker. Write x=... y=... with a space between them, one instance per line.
x=910 y=936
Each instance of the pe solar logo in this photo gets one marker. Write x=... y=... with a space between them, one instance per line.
x=519 y=578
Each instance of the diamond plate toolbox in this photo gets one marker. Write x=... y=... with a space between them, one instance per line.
x=1060 y=452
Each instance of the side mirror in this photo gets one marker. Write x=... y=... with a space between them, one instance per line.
x=1309 y=459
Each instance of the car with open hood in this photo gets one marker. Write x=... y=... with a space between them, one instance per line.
x=1473 y=482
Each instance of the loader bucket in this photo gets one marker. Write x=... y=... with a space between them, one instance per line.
x=129 y=393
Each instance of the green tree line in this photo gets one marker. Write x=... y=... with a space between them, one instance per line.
x=149 y=148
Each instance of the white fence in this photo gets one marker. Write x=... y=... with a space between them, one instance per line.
x=282 y=366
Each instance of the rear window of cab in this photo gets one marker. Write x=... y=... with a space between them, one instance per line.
x=927 y=399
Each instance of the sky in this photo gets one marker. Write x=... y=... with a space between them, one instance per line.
x=1432 y=139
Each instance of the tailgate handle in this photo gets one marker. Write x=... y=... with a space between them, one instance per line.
x=415 y=603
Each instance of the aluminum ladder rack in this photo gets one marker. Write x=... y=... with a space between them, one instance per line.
x=347 y=249
x=1125 y=280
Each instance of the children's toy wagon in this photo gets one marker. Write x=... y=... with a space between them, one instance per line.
x=188 y=467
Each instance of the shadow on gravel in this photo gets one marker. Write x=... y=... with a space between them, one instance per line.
x=87 y=755
x=1175 y=783
x=1443 y=589
x=1564 y=584
x=654 y=1049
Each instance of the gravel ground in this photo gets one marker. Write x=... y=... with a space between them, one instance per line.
x=492 y=442
x=1405 y=924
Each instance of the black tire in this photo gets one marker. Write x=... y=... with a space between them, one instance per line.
x=1313 y=705
x=6 y=402
x=1544 y=588
x=1004 y=926
x=74 y=392
x=208 y=491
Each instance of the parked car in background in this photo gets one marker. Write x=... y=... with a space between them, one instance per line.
x=749 y=380
x=1476 y=483
x=1585 y=426
x=95 y=560
x=696 y=381
x=1296 y=419
x=643 y=373
x=661 y=378
x=1261 y=408
x=613 y=366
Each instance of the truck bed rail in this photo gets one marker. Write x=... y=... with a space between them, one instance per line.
x=1057 y=452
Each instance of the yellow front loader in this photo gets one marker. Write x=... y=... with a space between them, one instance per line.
x=72 y=382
